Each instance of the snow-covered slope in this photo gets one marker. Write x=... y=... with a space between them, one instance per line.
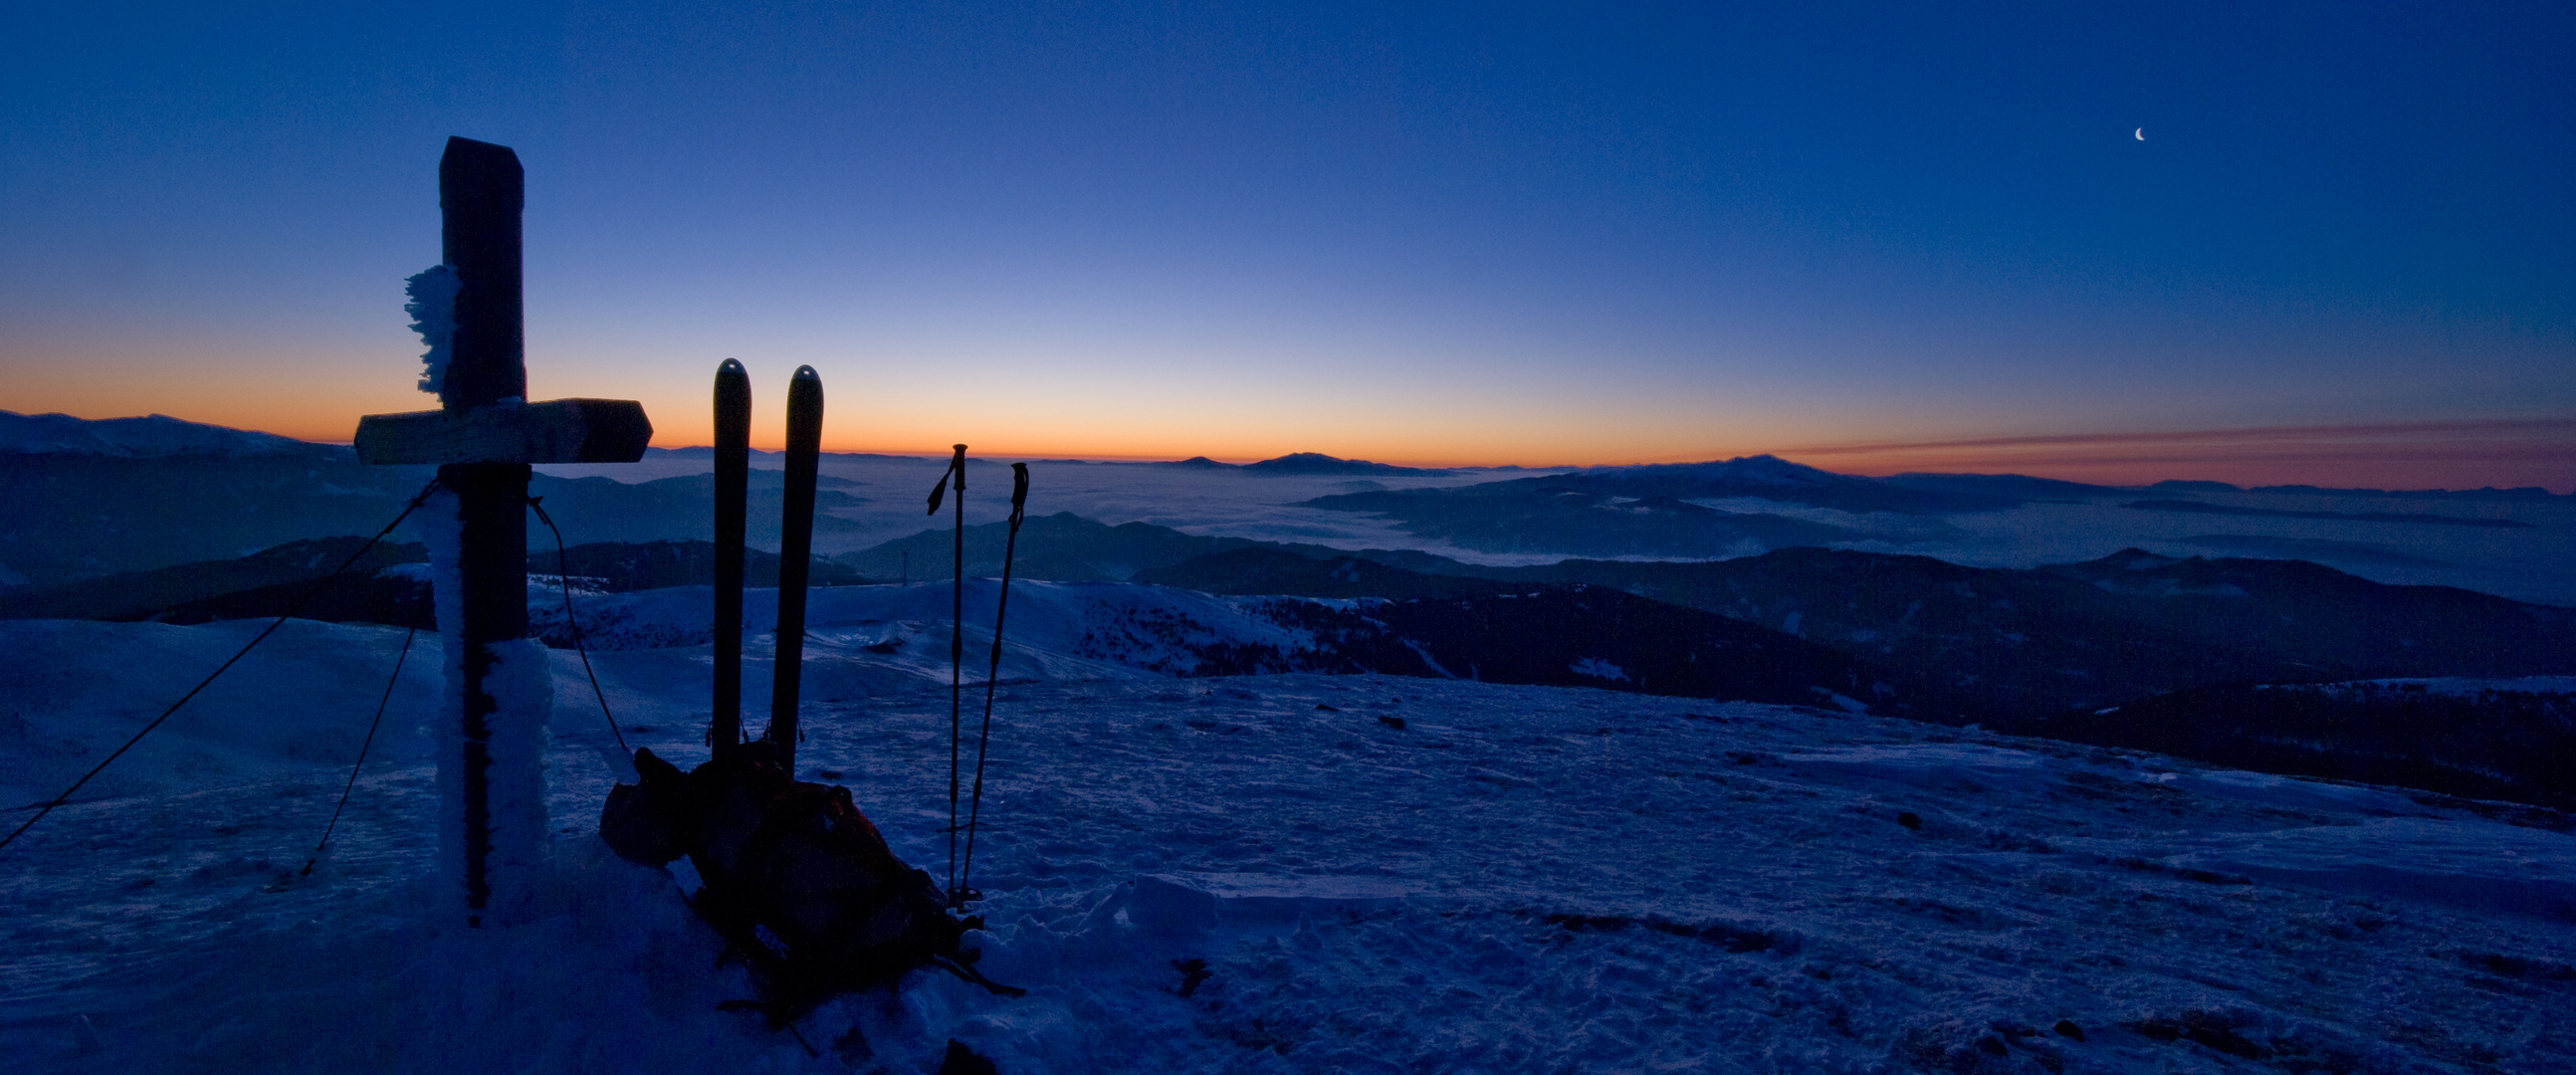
x=861 y=635
x=1057 y=630
x=1378 y=875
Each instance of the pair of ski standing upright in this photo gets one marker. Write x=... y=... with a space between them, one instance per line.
x=796 y=546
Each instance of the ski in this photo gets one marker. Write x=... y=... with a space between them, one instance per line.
x=733 y=504
x=795 y=558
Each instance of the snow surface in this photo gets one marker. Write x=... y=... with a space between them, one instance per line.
x=2448 y=686
x=863 y=640
x=1515 y=879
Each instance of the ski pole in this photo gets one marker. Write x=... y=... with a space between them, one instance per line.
x=956 y=644
x=992 y=675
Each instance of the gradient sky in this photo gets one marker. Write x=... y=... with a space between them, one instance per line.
x=1870 y=237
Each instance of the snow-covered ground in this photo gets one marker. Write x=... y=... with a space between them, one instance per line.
x=870 y=639
x=1379 y=875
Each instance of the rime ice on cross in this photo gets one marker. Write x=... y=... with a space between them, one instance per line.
x=492 y=826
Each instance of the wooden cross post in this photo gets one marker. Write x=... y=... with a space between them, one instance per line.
x=493 y=831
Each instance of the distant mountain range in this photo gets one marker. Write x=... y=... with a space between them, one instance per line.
x=2011 y=644
x=2130 y=650
x=2265 y=663
x=2001 y=645
x=1762 y=476
x=1998 y=643
x=1960 y=643
x=140 y=438
x=93 y=498
x=2043 y=490
x=99 y=498
x=2199 y=507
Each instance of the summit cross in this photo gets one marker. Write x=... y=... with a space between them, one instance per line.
x=493 y=834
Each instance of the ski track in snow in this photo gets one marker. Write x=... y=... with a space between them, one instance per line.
x=1517 y=879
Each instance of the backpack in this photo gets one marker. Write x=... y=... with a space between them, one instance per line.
x=797 y=880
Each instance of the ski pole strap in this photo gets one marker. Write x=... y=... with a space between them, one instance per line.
x=956 y=472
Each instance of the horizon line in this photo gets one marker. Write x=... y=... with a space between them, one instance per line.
x=2450 y=441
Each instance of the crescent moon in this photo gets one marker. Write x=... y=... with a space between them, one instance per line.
x=2142 y=134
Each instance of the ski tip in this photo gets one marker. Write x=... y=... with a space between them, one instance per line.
x=731 y=368
x=467 y=153
x=806 y=373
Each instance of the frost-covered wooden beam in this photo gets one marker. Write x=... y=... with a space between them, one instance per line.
x=493 y=834
x=555 y=431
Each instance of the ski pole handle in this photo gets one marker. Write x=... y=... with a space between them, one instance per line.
x=956 y=471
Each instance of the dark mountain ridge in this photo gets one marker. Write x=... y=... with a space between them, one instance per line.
x=73 y=515
x=2202 y=507
x=2131 y=625
x=82 y=515
x=1588 y=637
x=2485 y=742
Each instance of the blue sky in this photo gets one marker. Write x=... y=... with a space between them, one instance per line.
x=1480 y=233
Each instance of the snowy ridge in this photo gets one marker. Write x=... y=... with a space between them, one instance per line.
x=153 y=435
x=1513 y=879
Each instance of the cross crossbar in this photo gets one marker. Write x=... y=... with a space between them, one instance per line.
x=555 y=431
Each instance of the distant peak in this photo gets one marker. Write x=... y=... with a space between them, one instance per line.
x=1319 y=463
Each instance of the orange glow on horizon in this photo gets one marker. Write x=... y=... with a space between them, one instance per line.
x=2455 y=455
